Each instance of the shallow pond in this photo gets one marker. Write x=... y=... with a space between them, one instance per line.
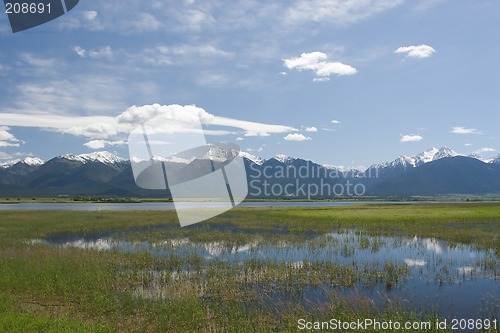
x=455 y=281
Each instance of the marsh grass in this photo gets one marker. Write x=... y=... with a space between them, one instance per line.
x=52 y=289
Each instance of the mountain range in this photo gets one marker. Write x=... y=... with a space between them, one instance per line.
x=432 y=172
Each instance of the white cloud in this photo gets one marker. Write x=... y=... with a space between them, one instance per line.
x=104 y=52
x=464 y=130
x=239 y=139
x=60 y=123
x=420 y=51
x=206 y=50
x=252 y=128
x=468 y=144
x=97 y=130
x=80 y=51
x=484 y=150
x=316 y=62
x=335 y=121
x=311 y=129
x=193 y=19
x=189 y=114
x=87 y=94
x=100 y=144
x=90 y=15
x=8 y=144
x=296 y=137
x=5 y=135
x=337 y=12
x=7 y=139
x=411 y=138
x=101 y=127
x=41 y=65
x=95 y=144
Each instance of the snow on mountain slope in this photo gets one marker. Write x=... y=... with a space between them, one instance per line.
x=283 y=158
x=31 y=161
x=255 y=159
x=444 y=152
x=104 y=157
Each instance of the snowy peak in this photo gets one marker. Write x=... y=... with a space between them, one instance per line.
x=255 y=159
x=30 y=161
x=283 y=158
x=104 y=157
x=426 y=156
x=443 y=153
x=221 y=153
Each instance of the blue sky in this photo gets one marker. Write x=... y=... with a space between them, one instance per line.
x=339 y=82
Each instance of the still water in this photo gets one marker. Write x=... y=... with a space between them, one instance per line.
x=455 y=281
x=170 y=205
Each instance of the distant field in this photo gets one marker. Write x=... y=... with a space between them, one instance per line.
x=72 y=289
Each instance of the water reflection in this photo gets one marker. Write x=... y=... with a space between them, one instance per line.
x=458 y=280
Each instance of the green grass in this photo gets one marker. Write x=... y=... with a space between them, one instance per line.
x=51 y=289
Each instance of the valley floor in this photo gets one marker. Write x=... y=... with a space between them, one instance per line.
x=248 y=270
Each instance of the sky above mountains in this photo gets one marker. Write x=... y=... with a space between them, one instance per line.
x=337 y=82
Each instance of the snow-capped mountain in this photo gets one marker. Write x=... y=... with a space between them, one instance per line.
x=30 y=161
x=104 y=157
x=221 y=153
x=255 y=159
x=443 y=153
x=284 y=159
x=424 y=157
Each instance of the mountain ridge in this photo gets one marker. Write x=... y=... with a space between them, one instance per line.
x=105 y=173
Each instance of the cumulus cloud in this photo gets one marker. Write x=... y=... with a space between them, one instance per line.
x=296 y=137
x=420 y=51
x=316 y=62
x=335 y=121
x=311 y=129
x=100 y=144
x=411 y=138
x=464 y=130
x=188 y=114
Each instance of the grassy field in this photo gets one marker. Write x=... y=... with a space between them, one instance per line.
x=52 y=289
